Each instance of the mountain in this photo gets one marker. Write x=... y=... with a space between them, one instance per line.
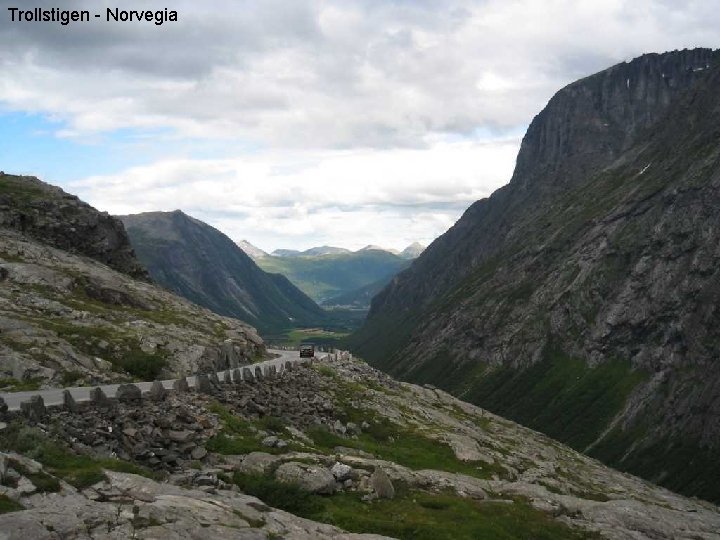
x=203 y=265
x=252 y=251
x=312 y=252
x=413 y=251
x=48 y=214
x=325 y=276
x=373 y=247
x=72 y=310
x=581 y=298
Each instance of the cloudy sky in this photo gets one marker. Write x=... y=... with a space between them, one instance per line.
x=295 y=123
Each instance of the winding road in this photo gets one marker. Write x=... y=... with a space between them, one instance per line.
x=54 y=396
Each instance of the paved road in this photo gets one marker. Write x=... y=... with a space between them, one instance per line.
x=54 y=396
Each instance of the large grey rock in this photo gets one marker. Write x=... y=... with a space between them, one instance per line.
x=257 y=463
x=341 y=472
x=157 y=392
x=313 y=478
x=381 y=484
x=128 y=393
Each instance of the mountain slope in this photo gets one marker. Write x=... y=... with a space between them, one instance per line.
x=200 y=263
x=322 y=277
x=67 y=318
x=54 y=217
x=580 y=298
x=253 y=252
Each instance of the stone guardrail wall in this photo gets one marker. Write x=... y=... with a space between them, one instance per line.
x=34 y=408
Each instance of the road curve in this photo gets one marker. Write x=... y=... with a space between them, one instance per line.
x=54 y=396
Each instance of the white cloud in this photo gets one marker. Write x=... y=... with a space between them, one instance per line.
x=357 y=109
x=348 y=198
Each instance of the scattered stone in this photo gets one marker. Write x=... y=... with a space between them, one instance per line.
x=339 y=428
x=281 y=444
x=381 y=484
x=34 y=409
x=270 y=441
x=157 y=392
x=205 y=479
x=128 y=393
x=181 y=385
x=69 y=403
x=353 y=428
x=198 y=453
x=365 y=425
x=313 y=478
x=257 y=463
x=181 y=436
x=341 y=472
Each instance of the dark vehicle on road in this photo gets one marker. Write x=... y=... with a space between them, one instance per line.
x=307 y=350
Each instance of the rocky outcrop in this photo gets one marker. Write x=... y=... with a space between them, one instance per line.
x=49 y=215
x=72 y=320
x=580 y=298
x=545 y=480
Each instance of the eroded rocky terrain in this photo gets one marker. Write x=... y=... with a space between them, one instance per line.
x=66 y=318
x=311 y=453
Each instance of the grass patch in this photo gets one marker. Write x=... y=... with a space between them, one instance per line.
x=412 y=515
x=15 y=385
x=77 y=470
x=8 y=505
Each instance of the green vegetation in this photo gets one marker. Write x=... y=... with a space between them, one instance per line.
x=686 y=464
x=318 y=336
x=412 y=514
x=326 y=276
x=560 y=396
x=8 y=505
x=15 y=385
x=130 y=357
x=79 y=471
x=240 y=436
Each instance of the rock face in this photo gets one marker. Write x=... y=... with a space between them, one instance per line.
x=66 y=318
x=49 y=215
x=580 y=299
x=203 y=265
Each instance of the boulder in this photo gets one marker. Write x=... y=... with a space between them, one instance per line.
x=270 y=441
x=257 y=463
x=341 y=472
x=381 y=484
x=128 y=393
x=157 y=392
x=313 y=478
x=198 y=452
x=34 y=409
x=181 y=385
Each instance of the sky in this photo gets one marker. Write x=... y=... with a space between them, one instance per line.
x=299 y=123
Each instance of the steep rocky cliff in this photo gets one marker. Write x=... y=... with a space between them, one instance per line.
x=200 y=263
x=66 y=318
x=48 y=214
x=581 y=298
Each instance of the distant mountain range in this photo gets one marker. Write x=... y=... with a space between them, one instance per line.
x=333 y=276
x=200 y=263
